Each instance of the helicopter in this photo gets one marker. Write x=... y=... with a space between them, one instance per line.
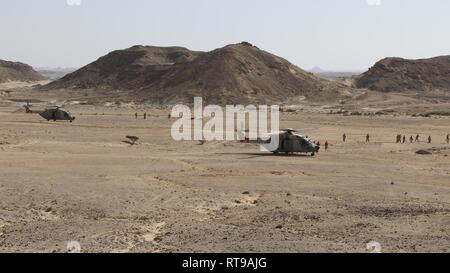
x=54 y=113
x=290 y=142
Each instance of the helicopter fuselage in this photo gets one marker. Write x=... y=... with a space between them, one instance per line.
x=291 y=143
x=52 y=114
x=56 y=114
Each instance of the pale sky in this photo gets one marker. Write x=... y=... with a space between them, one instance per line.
x=331 y=34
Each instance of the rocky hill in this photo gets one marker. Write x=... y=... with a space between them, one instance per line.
x=128 y=69
x=14 y=71
x=397 y=75
x=238 y=73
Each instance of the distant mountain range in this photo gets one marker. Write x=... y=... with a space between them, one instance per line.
x=55 y=73
x=334 y=74
x=237 y=74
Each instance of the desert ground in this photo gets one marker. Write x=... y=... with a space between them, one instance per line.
x=62 y=182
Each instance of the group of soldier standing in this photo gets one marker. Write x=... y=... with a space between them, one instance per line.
x=400 y=139
x=137 y=115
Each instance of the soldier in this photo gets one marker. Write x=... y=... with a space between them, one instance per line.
x=169 y=116
x=448 y=138
x=404 y=139
x=399 y=138
x=145 y=115
x=344 y=137
x=368 y=138
x=326 y=145
x=136 y=115
x=417 y=138
x=429 y=139
x=411 y=139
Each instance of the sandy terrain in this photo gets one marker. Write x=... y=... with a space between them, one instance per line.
x=15 y=84
x=62 y=182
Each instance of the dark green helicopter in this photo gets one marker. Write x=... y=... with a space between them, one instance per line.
x=54 y=113
x=286 y=141
x=290 y=143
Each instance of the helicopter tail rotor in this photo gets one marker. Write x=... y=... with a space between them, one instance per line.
x=28 y=108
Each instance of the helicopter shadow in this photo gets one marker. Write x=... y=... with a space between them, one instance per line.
x=256 y=155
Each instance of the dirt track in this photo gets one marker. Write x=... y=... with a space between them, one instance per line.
x=63 y=182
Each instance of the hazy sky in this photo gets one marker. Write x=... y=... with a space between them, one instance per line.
x=335 y=35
